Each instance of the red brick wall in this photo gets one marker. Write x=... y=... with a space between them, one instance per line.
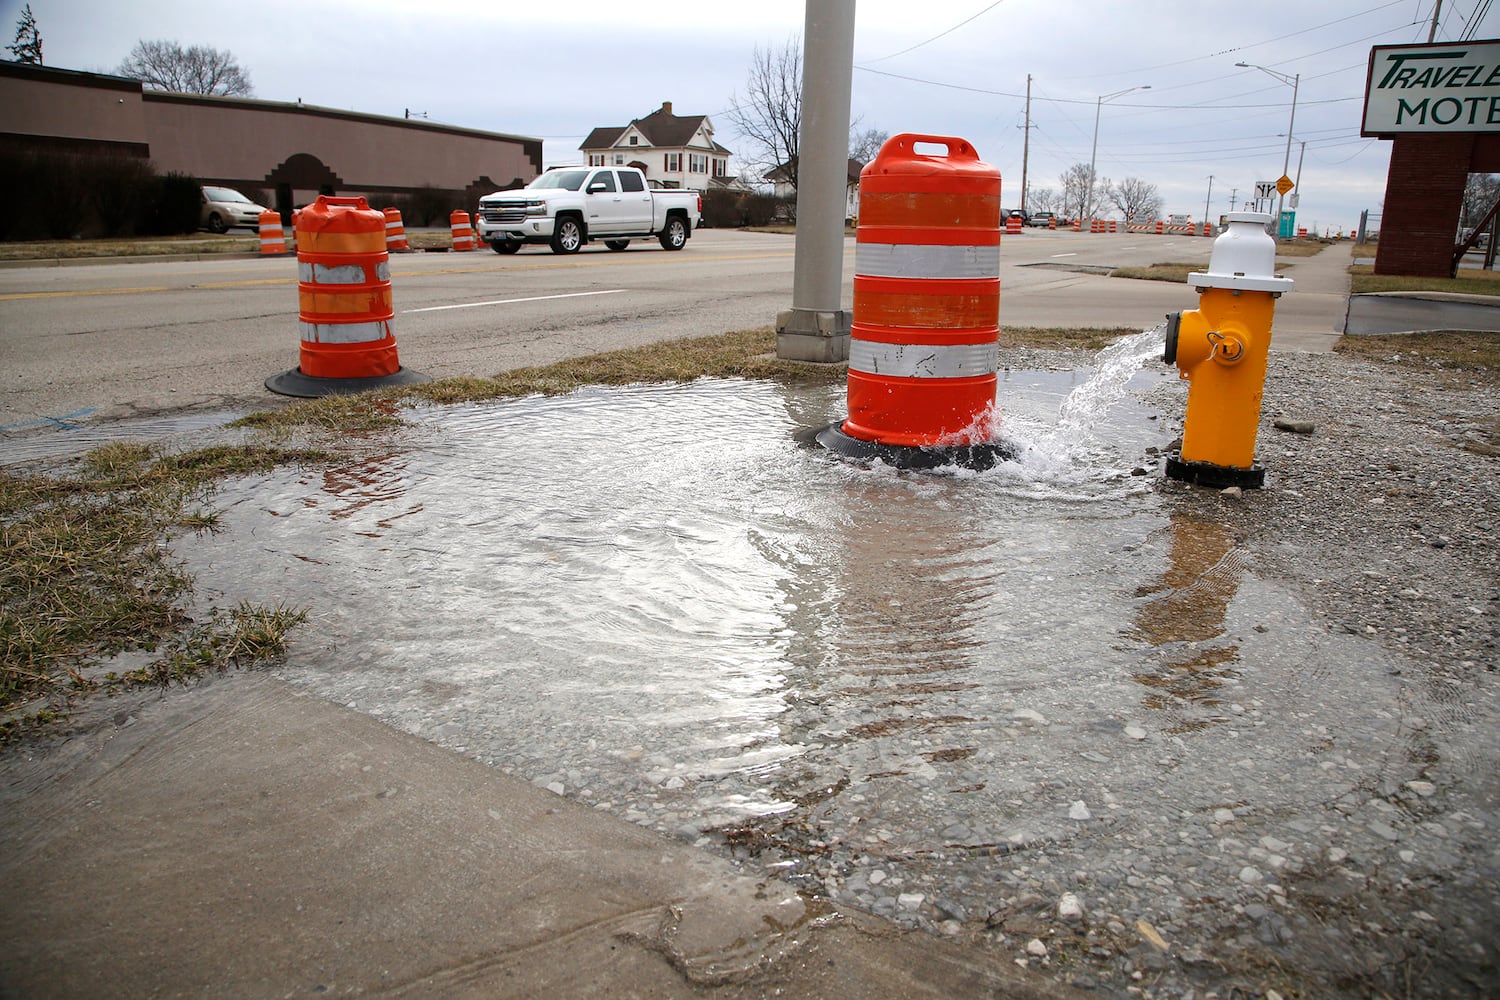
x=1424 y=193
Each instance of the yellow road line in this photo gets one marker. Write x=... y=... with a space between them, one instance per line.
x=96 y=291
x=602 y=261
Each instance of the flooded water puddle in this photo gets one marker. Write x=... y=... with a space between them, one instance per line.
x=71 y=436
x=916 y=692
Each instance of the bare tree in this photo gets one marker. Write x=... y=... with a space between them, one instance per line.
x=864 y=146
x=1480 y=192
x=769 y=116
x=1077 y=185
x=163 y=65
x=28 y=44
x=1041 y=199
x=1136 y=199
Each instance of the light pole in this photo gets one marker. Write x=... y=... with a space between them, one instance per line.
x=1208 y=197
x=1301 y=154
x=1089 y=201
x=1291 y=81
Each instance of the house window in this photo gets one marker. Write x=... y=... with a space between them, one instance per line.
x=619 y=159
x=634 y=140
x=596 y=159
x=672 y=162
x=719 y=167
x=697 y=163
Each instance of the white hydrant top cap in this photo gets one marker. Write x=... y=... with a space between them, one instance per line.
x=1243 y=257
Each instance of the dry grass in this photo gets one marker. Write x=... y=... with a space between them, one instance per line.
x=85 y=574
x=1470 y=281
x=131 y=246
x=1446 y=350
x=749 y=354
x=1062 y=338
x=1300 y=248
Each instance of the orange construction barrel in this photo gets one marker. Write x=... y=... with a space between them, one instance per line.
x=346 y=311
x=272 y=236
x=461 y=229
x=395 y=231
x=924 y=340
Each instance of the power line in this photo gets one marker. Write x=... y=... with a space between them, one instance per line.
x=1239 y=48
x=940 y=34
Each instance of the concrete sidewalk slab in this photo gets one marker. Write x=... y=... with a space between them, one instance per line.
x=1407 y=312
x=244 y=839
x=1310 y=318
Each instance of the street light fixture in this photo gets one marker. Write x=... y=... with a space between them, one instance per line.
x=1093 y=155
x=1291 y=81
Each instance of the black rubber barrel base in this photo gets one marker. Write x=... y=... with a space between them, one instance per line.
x=1216 y=476
x=294 y=383
x=969 y=456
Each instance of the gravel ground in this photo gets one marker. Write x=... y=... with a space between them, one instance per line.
x=1380 y=521
x=1379 y=524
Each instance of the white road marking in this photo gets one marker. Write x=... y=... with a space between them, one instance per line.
x=1065 y=255
x=506 y=302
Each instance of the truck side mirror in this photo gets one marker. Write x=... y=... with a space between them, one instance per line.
x=595 y=187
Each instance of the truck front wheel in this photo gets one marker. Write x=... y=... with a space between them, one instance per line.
x=567 y=235
x=675 y=235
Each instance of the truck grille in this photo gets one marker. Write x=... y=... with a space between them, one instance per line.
x=503 y=213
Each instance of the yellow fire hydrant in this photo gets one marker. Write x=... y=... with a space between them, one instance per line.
x=1220 y=349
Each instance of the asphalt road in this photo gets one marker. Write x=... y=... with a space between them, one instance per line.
x=114 y=340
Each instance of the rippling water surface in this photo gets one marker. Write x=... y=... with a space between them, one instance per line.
x=654 y=599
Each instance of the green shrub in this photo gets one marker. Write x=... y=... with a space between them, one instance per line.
x=175 y=206
x=115 y=188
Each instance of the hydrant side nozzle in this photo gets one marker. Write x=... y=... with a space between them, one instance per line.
x=1174 y=327
x=1228 y=346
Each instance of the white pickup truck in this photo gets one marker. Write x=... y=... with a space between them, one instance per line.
x=567 y=207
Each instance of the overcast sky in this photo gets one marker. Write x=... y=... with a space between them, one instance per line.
x=555 y=70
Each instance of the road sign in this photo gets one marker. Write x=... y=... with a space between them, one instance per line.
x=1264 y=190
x=1284 y=185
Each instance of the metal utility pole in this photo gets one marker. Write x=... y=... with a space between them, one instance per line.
x=1209 y=197
x=1094 y=154
x=816 y=328
x=1291 y=81
x=1233 y=197
x=1026 y=143
x=1436 y=10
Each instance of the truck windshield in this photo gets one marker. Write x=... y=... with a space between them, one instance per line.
x=568 y=180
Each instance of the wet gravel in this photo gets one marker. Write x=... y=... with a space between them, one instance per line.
x=1155 y=855
x=1379 y=516
x=1161 y=854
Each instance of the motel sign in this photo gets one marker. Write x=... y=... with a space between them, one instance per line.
x=1433 y=88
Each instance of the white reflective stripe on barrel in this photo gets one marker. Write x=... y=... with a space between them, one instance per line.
x=346 y=333
x=906 y=260
x=923 y=360
x=311 y=273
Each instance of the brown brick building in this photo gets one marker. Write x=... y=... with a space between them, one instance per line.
x=286 y=153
